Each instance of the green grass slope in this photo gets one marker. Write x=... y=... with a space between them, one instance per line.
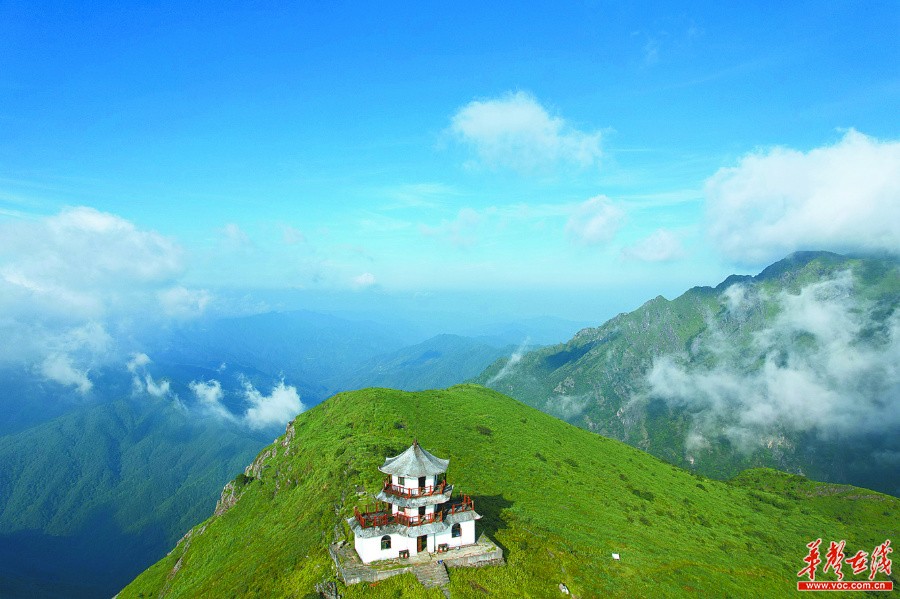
x=558 y=499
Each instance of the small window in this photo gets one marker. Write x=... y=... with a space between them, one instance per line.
x=422 y=482
x=455 y=531
x=401 y=481
x=386 y=542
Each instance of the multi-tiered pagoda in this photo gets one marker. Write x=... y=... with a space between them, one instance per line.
x=414 y=513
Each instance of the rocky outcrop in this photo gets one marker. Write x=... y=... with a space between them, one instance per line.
x=229 y=497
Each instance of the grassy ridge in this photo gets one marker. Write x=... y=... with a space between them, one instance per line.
x=558 y=499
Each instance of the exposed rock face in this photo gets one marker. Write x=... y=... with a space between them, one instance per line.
x=256 y=469
x=230 y=496
x=288 y=437
x=231 y=493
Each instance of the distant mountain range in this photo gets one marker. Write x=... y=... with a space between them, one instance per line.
x=558 y=500
x=797 y=368
x=436 y=363
x=95 y=487
x=90 y=496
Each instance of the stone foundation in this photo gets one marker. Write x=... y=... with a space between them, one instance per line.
x=351 y=569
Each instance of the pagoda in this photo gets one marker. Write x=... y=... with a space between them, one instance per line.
x=414 y=513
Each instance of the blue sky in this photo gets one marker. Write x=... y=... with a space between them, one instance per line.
x=572 y=160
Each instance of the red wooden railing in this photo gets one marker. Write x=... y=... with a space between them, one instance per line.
x=410 y=492
x=464 y=506
x=380 y=514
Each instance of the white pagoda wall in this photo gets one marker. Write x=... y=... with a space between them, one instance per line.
x=467 y=537
x=412 y=511
x=370 y=550
x=413 y=482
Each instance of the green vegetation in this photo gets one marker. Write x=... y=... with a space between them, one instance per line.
x=558 y=499
x=598 y=380
x=94 y=494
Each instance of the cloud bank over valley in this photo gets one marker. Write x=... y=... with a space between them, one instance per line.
x=827 y=363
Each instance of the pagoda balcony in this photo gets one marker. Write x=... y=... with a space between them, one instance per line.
x=464 y=505
x=411 y=492
x=380 y=514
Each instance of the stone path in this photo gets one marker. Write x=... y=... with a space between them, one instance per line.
x=433 y=575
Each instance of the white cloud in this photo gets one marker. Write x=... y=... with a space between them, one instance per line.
x=568 y=407
x=156 y=388
x=277 y=408
x=515 y=131
x=143 y=382
x=59 y=368
x=461 y=232
x=71 y=285
x=595 y=221
x=817 y=367
x=209 y=395
x=842 y=197
x=81 y=262
x=661 y=246
x=183 y=302
x=364 y=280
x=137 y=363
x=511 y=363
x=736 y=298
x=64 y=355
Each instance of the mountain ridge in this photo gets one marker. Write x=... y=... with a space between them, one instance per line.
x=557 y=499
x=638 y=376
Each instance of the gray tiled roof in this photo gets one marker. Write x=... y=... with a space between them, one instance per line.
x=414 y=462
x=412 y=531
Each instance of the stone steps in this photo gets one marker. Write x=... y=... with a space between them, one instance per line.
x=433 y=575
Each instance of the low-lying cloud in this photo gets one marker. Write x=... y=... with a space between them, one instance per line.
x=568 y=407
x=277 y=408
x=143 y=382
x=827 y=364
x=59 y=368
x=511 y=363
x=209 y=395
